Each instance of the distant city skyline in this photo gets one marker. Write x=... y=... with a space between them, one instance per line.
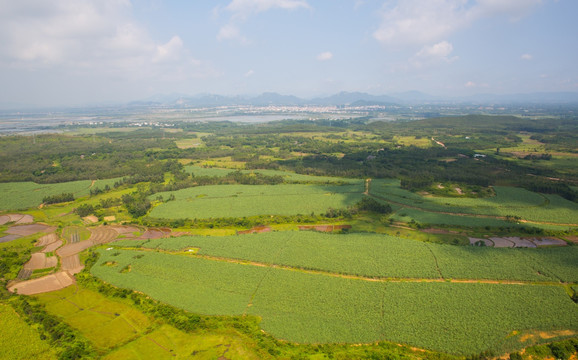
x=74 y=52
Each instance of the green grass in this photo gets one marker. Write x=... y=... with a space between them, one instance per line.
x=297 y=306
x=508 y=201
x=19 y=341
x=376 y=255
x=104 y=322
x=217 y=201
x=166 y=342
x=23 y=195
x=288 y=176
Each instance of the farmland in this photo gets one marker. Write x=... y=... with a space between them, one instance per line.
x=18 y=340
x=345 y=310
x=241 y=200
x=508 y=201
x=381 y=256
x=309 y=239
x=22 y=195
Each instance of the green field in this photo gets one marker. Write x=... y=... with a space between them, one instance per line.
x=23 y=195
x=459 y=318
x=215 y=201
x=385 y=256
x=508 y=201
x=18 y=341
x=288 y=176
x=119 y=331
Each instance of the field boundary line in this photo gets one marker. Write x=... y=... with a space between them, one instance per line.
x=382 y=279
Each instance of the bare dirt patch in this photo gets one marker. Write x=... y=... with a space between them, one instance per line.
x=47 y=239
x=103 y=234
x=48 y=283
x=76 y=248
x=16 y=218
x=25 y=230
x=41 y=261
x=548 y=242
x=91 y=219
x=7 y=238
x=153 y=234
x=72 y=264
x=53 y=246
x=502 y=242
x=255 y=230
x=109 y=218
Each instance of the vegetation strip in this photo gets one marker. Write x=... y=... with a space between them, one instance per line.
x=347 y=276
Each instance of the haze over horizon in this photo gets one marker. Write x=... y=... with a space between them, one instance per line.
x=69 y=52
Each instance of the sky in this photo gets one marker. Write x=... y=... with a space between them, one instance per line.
x=74 y=52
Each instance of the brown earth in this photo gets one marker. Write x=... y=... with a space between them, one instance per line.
x=255 y=230
x=48 y=283
x=72 y=264
x=91 y=219
x=25 y=230
x=47 y=239
x=4 y=219
x=102 y=234
x=41 y=261
x=7 y=238
x=53 y=246
x=71 y=249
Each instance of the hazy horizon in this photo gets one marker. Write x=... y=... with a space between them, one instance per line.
x=70 y=52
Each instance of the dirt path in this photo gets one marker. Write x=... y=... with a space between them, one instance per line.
x=349 y=276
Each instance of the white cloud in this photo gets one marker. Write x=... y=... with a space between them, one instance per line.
x=241 y=10
x=433 y=54
x=325 y=56
x=94 y=36
x=439 y=50
x=231 y=32
x=526 y=57
x=470 y=84
x=418 y=22
x=249 y=73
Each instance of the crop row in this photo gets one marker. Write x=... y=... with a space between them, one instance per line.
x=378 y=255
x=450 y=317
x=216 y=201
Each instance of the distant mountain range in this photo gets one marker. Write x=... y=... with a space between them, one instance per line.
x=356 y=99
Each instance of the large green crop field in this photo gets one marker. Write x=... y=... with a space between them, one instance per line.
x=508 y=201
x=289 y=176
x=19 y=341
x=459 y=318
x=375 y=255
x=217 y=201
x=23 y=195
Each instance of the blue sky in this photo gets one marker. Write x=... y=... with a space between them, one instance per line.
x=66 y=52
